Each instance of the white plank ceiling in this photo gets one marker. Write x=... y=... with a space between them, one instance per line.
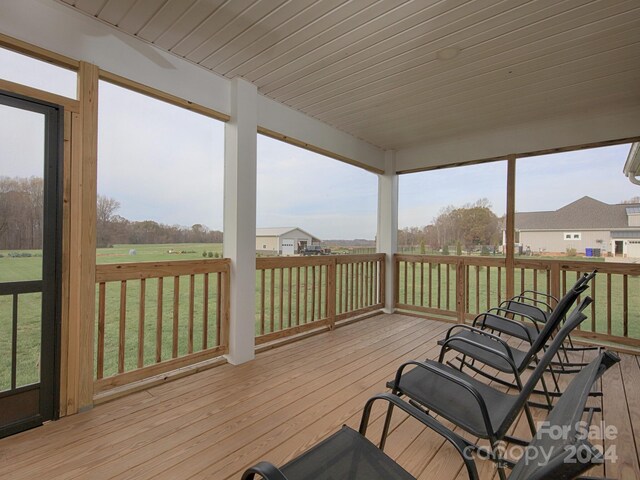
x=378 y=69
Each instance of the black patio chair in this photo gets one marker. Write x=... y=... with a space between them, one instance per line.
x=470 y=404
x=348 y=455
x=521 y=317
x=492 y=350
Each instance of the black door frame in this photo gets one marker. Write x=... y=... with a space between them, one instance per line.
x=49 y=398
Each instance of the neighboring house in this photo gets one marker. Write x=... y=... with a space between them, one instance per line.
x=584 y=224
x=283 y=240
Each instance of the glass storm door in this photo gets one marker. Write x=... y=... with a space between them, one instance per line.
x=31 y=145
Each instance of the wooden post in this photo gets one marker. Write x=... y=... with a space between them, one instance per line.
x=82 y=243
x=554 y=287
x=510 y=225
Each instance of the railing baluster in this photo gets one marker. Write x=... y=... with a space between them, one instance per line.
x=313 y=293
x=488 y=288
x=141 y=318
x=272 y=300
x=608 y=304
x=159 y=304
x=281 y=270
x=430 y=286
x=593 y=304
x=499 y=285
x=422 y=283
x=448 y=266
x=625 y=306
x=205 y=311
x=306 y=292
x=176 y=315
x=192 y=292
x=219 y=293
x=122 y=326
x=439 y=284
x=262 y=288
x=406 y=269
x=477 y=289
x=298 y=297
x=289 y=294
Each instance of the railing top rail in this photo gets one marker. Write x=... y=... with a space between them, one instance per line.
x=451 y=259
x=355 y=258
x=267 y=263
x=581 y=266
x=136 y=271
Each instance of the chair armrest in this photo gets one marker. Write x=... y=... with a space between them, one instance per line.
x=266 y=470
x=463 y=446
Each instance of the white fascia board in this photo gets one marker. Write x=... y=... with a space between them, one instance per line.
x=61 y=29
x=284 y=120
x=560 y=132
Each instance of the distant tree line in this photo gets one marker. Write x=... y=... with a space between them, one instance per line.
x=21 y=221
x=21 y=213
x=470 y=226
x=113 y=229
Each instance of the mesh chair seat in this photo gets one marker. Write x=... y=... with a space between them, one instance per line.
x=520 y=358
x=522 y=331
x=345 y=455
x=454 y=402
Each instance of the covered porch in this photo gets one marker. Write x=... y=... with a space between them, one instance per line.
x=390 y=87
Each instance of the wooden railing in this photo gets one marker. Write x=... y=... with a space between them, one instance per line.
x=155 y=317
x=296 y=294
x=458 y=288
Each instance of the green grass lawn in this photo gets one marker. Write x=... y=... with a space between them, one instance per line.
x=28 y=268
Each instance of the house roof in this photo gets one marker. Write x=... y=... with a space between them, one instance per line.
x=584 y=213
x=280 y=231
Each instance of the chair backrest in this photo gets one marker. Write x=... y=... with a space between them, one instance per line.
x=559 y=313
x=575 y=318
x=559 y=449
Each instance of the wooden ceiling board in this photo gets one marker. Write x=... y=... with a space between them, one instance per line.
x=187 y=23
x=312 y=37
x=423 y=26
x=509 y=110
x=229 y=57
x=516 y=97
x=141 y=13
x=90 y=7
x=115 y=10
x=159 y=23
x=255 y=18
x=401 y=60
x=454 y=78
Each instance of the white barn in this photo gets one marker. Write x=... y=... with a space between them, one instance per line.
x=283 y=240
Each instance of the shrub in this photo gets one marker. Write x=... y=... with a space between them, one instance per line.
x=445 y=250
x=216 y=255
x=210 y=254
x=204 y=254
x=484 y=250
x=458 y=248
x=571 y=252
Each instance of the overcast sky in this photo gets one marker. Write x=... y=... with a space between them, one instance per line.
x=165 y=163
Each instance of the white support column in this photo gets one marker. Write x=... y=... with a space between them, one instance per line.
x=240 y=217
x=387 y=237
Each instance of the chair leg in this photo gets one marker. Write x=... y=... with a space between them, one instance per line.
x=387 y=424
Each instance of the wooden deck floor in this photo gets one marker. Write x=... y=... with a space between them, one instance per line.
x=216 y=423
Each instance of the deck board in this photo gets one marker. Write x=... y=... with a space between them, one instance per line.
x=215 y=423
